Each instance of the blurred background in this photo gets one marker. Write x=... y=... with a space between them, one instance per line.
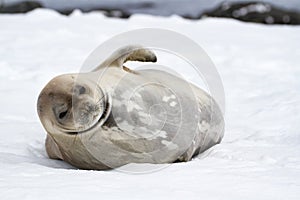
x=266 y=11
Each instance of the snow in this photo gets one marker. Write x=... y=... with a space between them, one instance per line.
x=259 y=66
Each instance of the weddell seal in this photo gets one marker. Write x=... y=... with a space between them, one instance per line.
x=113 y=115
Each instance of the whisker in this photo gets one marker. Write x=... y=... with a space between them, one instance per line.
x=100 y=99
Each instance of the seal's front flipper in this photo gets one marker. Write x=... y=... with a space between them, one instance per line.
x=128 y=53
x=53 y=149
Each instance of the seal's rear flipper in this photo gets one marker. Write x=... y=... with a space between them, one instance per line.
x=128 y=53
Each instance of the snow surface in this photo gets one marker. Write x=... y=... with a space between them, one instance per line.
x=258 y=158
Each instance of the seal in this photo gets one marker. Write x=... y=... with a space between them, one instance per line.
x=114 y=115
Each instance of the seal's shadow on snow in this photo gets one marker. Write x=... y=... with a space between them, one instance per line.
x=37 y=155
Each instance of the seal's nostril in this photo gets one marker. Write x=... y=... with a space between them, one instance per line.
x=62 y=114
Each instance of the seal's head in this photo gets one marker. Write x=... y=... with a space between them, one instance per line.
x=70 y=104
x=76 y=103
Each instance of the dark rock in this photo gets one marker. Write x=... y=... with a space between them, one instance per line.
x=21 y=7
x=116 y=13
x=258 y=12
x=109 y=12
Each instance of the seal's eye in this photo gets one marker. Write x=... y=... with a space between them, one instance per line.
x=82 y=90
x=61 y=111
x=79 y=89
x=62 y=114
